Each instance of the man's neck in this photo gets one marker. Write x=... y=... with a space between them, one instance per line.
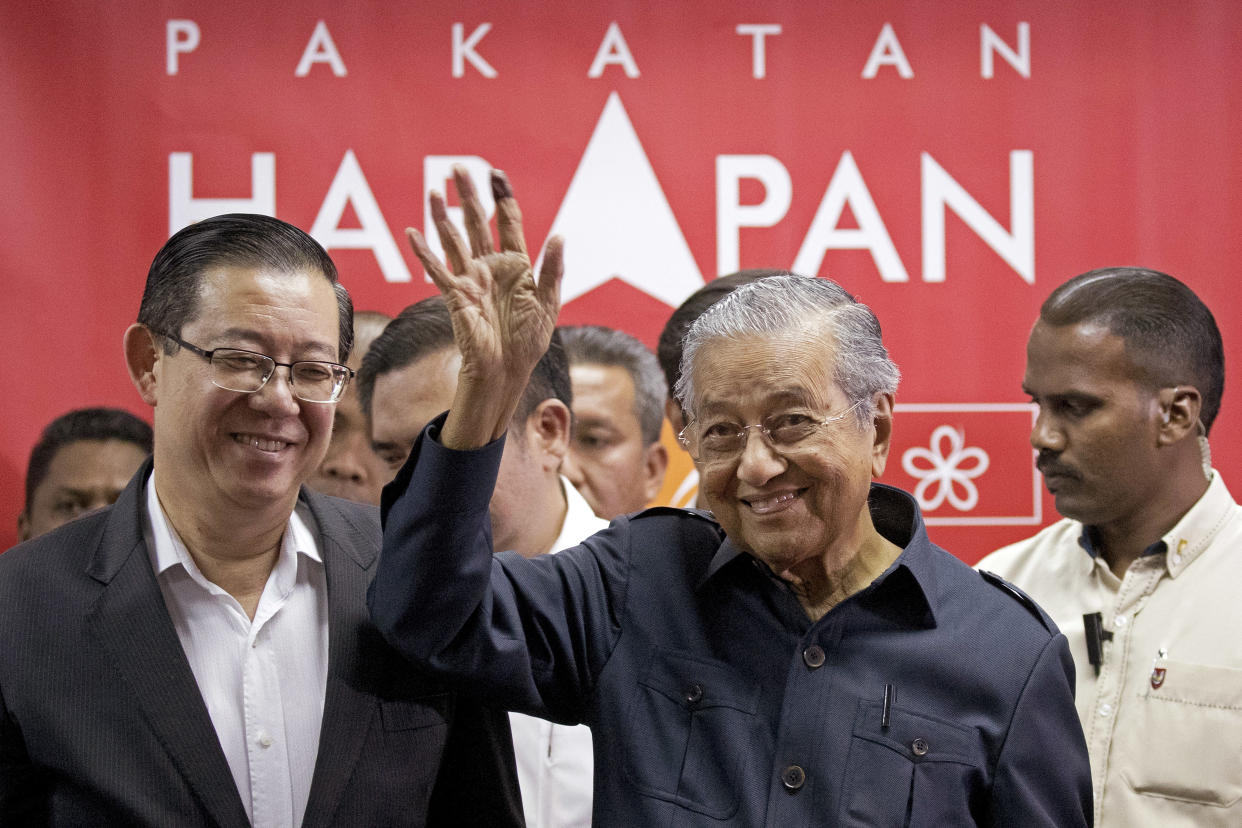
x=546 y=517
x=234 y=549
x=1121 y=543
x=819 y=588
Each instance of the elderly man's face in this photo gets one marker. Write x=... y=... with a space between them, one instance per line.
x=83 y=476
x=805 y=507
x=608 y=461
x=246 y=450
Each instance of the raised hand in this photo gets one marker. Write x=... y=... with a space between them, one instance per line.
x=502 y=317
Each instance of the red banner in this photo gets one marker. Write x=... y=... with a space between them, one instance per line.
x=948 y=163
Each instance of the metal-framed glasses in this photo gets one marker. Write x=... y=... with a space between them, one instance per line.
x=236 y=369
x=719 y=440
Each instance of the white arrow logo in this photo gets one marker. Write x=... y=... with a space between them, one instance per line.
x=617 y=222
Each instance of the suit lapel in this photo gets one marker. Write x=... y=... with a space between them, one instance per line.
x=349 y=550
x=132 y=625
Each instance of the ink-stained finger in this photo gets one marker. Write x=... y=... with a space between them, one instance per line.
x=508 y=214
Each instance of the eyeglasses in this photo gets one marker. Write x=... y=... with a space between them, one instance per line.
x=718 y=441
x=235 y=369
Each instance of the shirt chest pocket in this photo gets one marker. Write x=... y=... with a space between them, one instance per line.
x=912 y=770
x=693 y=725
x=1190 y=720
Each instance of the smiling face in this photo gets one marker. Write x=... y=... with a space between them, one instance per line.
x=808 y=506
x=608 y=461
x=1097 y=433
x=218 y=450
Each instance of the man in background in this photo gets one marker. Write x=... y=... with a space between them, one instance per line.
x=1127 y=368
x=81 y=463
x=351 y=469
x=408 y=378
x=616 y=459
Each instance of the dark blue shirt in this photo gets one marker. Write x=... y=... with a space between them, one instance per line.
x=712 y=698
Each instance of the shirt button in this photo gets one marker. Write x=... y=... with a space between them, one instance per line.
x=919 y=746
x=694 y=693
x=793 y=777
x=1119 y=621
x=1106 y=709
x=265 y=739
x=813 y=656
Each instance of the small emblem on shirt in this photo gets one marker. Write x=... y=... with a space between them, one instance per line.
x=1157 y=677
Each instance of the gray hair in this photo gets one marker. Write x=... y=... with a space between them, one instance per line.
x=808 y=305
x=600 y=345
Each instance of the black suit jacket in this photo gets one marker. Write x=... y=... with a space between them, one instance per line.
x=102 y=723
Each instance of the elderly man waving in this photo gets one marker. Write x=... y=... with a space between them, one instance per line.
x=803 y=655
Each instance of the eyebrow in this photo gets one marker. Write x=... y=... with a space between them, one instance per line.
x=252 y=336
x=785 y=396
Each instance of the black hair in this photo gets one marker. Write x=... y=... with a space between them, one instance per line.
x=1169 y=333
x=76 y=426
x=174 y=282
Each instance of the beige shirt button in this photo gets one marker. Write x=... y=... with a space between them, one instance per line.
x=1106 y=709
x=1120 y=621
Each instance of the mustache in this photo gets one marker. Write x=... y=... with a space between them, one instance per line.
x=1049 y=464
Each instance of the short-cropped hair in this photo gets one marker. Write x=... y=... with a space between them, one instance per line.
x=425 y=328
x=806 y=306
x=1170 y=335
x=170 y=299
x=600 y=345
x=76 y=426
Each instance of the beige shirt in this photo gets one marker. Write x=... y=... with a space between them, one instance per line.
x=1163 y=719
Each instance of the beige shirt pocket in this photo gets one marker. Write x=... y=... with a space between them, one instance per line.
x=1185 y=742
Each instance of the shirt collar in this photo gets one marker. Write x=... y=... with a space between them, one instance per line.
x=910 y=581
x=167 y=550
x=1191 y=535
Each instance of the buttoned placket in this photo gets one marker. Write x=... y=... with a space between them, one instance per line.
x=1136 y=587
x=808 y=687
x=263 y=710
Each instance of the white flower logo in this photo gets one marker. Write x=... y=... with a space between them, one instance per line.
x=945 y=469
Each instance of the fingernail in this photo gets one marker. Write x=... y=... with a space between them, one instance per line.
x=500 y=186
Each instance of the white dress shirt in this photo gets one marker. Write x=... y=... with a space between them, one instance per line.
x=554 y=762
x=262 y=681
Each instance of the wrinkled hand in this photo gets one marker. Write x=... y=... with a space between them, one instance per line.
x=502 y=317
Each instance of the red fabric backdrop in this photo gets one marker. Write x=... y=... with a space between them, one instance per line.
x=949 y=163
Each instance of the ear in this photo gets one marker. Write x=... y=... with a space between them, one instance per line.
x=675 y=416
x=655 y=463
x=142 y=355
x=1179 y=414
x=547 y=430
x=883 y=422
x=23 y=526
